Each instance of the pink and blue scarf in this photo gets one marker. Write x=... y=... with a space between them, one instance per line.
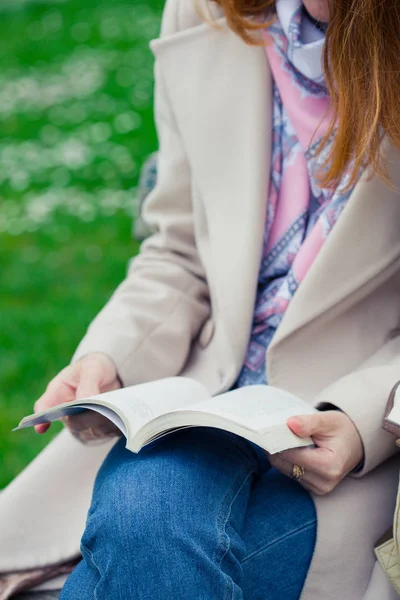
x=300 y=213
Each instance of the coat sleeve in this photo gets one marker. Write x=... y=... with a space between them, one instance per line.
x=363 y=395
x=148 y=325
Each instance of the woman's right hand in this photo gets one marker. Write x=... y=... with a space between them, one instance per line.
x=93 y=374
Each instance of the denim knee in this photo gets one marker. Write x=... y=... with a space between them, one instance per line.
x=166 y=523
x=164 y=493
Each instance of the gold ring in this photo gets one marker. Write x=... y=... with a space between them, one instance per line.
x=297 y=472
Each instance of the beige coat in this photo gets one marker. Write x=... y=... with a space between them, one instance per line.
x=187 y=303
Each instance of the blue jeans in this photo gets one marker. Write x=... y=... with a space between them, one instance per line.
x=197 y=515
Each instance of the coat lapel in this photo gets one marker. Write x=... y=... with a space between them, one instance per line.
x=364 y=243
x=220 y=91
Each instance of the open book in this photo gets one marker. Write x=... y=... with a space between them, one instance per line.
x=391 y=421
x=148 y=411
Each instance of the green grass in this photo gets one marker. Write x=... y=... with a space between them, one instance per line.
x=76 y=123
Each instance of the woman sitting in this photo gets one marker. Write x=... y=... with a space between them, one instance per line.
x=275 y=259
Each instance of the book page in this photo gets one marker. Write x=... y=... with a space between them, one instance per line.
x=394 y=414
x=134 y=406
x=256 y=407
x=147 y=401
x=64 y=412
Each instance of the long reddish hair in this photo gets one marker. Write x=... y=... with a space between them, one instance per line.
x=362 y=69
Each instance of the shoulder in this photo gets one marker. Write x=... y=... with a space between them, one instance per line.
x=179 y=15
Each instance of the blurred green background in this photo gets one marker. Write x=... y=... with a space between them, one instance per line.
x=76 y=123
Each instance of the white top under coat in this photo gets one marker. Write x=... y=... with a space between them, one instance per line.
x=306 y=58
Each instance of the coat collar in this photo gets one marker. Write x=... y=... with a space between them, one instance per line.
x=220 y=90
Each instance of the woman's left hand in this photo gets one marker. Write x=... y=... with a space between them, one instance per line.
x=339 y=450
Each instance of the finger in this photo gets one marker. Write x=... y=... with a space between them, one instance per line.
x=89 y=420
x=98 y=374
x=88 y=431
x=42 y=428
x=310 y=480
x=57 y=392
x=310 y=487
x=322 y=479
x=88 y=436
x=320 y=423
x=109 y=387
x=314 y=459
x=323 y=462
x=319 y=483
x=279 y=462
x=92 y=425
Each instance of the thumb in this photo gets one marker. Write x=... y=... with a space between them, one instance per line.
x=90 y=380
x=316 y=424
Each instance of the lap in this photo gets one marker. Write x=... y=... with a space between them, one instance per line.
x=211 y=488
x=198 y=466
x=191 y=471
x=192 y=476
